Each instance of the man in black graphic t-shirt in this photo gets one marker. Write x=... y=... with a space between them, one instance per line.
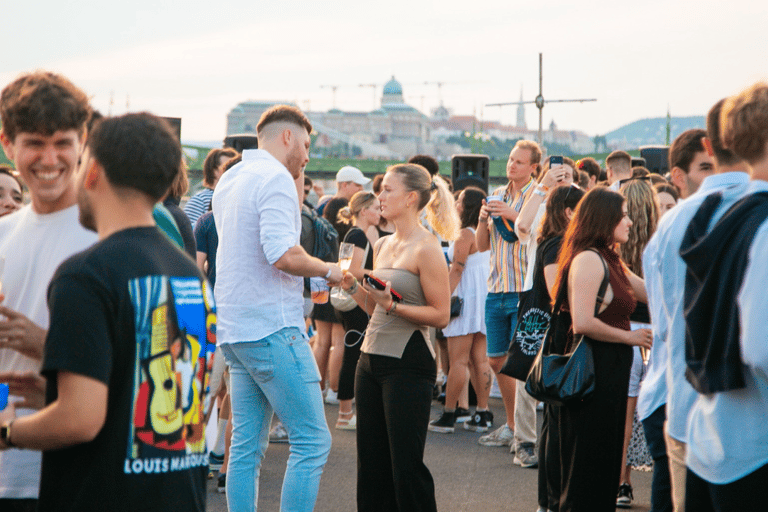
x=130 y=345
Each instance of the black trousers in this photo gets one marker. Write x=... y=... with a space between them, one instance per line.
x=355 y=322
x=744 y=494
x=592 y=435
x=661 y=485
x=550 y=487
x=394 y=397
x=18 y=505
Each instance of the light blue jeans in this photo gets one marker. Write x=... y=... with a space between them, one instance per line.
x=277 y=373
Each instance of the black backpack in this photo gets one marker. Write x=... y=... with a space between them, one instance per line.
x=326 y=239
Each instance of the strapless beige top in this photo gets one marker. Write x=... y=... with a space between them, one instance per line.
x=387 y=335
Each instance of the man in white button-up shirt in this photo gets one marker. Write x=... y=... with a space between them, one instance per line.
x=260 y=266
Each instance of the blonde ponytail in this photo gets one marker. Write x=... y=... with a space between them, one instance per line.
x=441 y=210
x=433 y=194
x=345 y=216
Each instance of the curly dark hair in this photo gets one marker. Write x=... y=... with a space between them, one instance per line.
x=43 y=102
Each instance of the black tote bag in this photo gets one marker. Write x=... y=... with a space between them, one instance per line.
x=533 y=316
x=564 y=379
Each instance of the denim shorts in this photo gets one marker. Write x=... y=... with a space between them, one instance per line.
x=500 y=321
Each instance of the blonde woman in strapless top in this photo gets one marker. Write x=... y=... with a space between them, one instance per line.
x=396 y=370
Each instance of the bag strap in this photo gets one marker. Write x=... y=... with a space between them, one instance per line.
x=600 y=293
x=603 y=286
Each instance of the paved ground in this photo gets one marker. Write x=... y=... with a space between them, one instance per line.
x=468 y=476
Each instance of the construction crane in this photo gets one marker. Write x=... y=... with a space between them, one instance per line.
x=539 y=101
x=333 y=92
x=440 y=85
x=373 y=88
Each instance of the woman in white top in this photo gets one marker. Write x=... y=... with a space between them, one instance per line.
x=466 y=333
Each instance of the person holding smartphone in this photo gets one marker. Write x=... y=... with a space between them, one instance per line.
x=396 y=371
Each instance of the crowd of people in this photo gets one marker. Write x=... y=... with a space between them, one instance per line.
x=127 y=321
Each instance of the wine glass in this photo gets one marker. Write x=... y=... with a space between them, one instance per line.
x=345 y=255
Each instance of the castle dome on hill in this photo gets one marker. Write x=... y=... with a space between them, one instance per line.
x=393 y=87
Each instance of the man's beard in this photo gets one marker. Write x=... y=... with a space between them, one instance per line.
x=87 y=218
x=293 y=162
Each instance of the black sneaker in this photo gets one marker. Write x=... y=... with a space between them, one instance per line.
x=462 y=415
x=221 y=486
x=444 y=424
x=625 y=497
x=481 y=421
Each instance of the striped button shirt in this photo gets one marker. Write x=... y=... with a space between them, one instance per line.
x=198 y=204
x=508 y=260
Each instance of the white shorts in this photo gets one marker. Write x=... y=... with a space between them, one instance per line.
x=637 y=372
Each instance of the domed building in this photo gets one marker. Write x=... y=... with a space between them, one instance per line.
x=392 y=93
x=395 y=130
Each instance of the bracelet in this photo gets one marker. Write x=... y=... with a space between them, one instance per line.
x=330 y=271
x=544 y=187
x=539 y=192
x=353 y=289
x=392 y=308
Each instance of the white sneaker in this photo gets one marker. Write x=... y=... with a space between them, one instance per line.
x=278 y=434
x=502 y=436
x=331 y=398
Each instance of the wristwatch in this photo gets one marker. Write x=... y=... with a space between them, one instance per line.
x=5 y=434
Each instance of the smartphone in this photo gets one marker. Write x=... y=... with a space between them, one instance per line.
x=380 y=285
x=555 y=160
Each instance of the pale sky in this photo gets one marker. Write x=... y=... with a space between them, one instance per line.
x=197 y=60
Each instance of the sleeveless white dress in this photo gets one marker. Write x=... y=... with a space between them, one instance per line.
x=473 y=288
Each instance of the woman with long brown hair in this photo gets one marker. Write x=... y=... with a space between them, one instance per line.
x=643 y=208
x=592 y=432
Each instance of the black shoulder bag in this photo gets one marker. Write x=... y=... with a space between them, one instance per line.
x=569 y=378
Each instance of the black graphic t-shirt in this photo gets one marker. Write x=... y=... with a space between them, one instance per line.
x=135 y=313
x=535 y=309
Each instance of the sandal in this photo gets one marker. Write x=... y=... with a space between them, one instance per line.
x=349 y=423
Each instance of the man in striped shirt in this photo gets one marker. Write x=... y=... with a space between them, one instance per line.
x=213 y=168
x=508 y=265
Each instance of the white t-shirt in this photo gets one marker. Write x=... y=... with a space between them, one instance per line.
x=256 y=210
x=531 y=242
x=33 y=246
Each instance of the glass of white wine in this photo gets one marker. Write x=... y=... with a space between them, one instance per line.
x=345 y=255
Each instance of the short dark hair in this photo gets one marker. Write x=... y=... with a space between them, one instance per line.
x=211 y=162
x=723 y=155
x=137 y=151
x=667 y=188
x=427 y=162
x=685 y=147
x=590 y=166
x=42 y=102
x=283 y=113
x=307 y=180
